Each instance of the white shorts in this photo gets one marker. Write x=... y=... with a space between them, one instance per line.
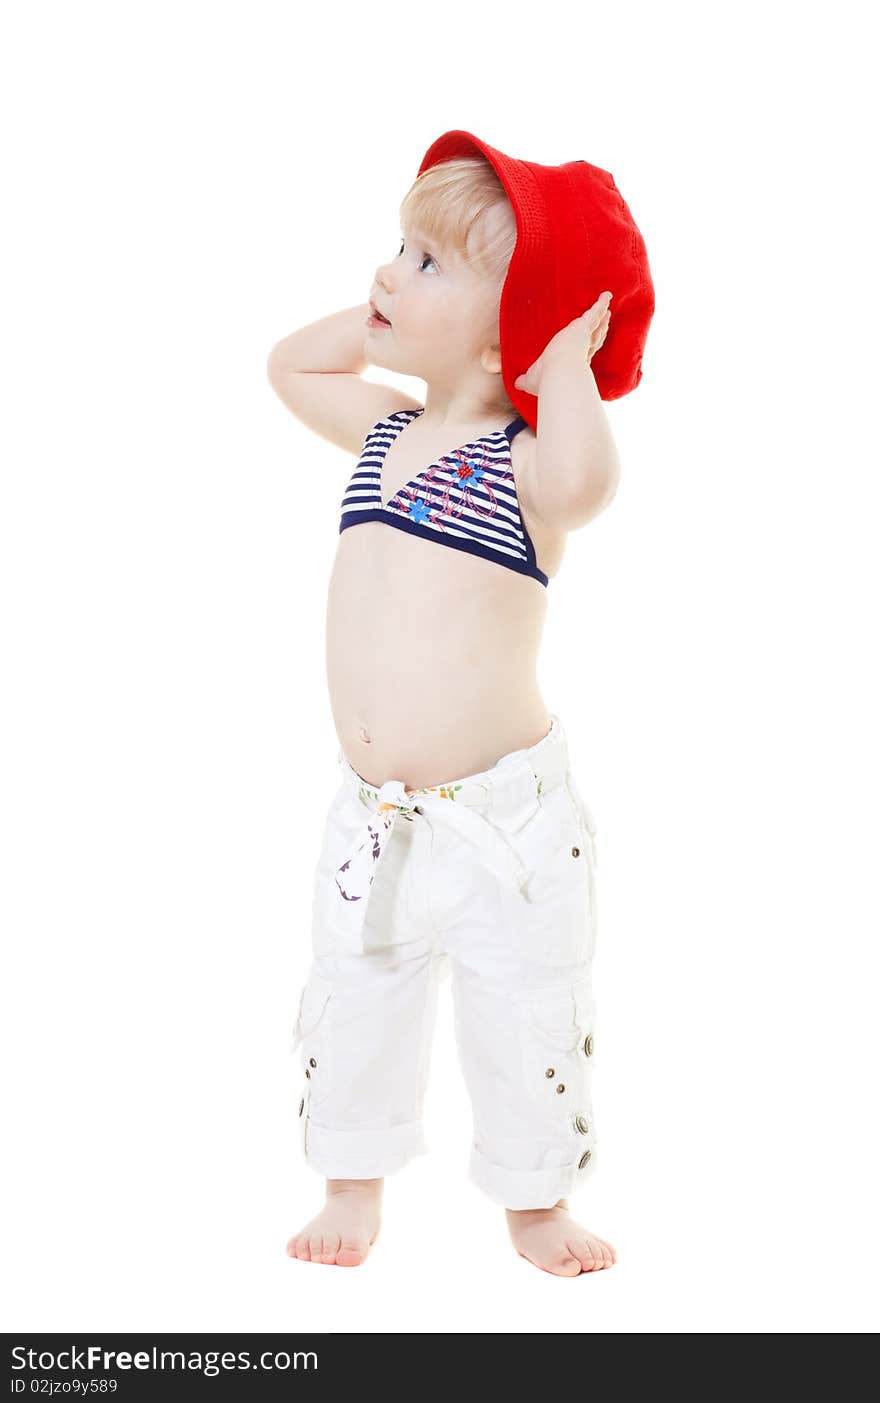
x=490 y=878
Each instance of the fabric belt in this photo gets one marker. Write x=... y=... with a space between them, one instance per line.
x=478 y=809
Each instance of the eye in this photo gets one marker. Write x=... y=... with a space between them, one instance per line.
x=429 y=256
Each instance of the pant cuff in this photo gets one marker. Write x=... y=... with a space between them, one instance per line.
x=526 y=1188
x=362 y=1154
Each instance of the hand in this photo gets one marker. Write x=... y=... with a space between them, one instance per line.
x=585 y=334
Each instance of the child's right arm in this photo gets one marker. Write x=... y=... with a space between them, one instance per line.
x=317 y=373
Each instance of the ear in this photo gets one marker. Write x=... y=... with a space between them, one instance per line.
x=490 y=359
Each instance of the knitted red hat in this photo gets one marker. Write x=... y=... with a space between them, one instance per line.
x=575 y=237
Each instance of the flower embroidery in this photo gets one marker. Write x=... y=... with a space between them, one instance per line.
x=474 y=472
x=419 y=511
x=471 y=471
x=467 y=472
x=477 y=506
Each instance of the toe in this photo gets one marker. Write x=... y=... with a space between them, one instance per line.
x=330 y=1248
x=583 y=1250
x=350 y=1254
x=316 y=1246
x=291 y=1247
x=302 y=1249
x=607 y=1252
x=566 y=1266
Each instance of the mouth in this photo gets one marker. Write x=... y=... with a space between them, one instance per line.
x=377 y=316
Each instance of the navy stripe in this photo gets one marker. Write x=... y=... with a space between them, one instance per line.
x=428 y=533
x=490 y=526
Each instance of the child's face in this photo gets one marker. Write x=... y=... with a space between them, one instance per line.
x=442 y=313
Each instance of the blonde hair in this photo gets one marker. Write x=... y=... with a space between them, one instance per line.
x=462 y=205
x=450 y=202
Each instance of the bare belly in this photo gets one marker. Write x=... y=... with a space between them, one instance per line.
x=431 y=658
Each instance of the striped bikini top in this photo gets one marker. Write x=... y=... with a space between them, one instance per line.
x=466 y=499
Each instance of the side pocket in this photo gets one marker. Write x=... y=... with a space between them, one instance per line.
x=312 y=1002
x=310 y=1039
x=558 y=1040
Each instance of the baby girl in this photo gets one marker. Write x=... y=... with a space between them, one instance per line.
x=458 y=841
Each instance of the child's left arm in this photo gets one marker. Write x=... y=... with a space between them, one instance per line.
x=575 y=469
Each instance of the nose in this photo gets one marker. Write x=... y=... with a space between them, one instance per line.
x=383 y=277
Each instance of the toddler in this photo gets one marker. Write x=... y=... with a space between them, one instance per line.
x=458 y=841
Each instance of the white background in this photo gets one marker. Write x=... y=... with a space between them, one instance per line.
x=186 y=183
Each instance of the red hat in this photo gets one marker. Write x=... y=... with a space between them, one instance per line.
x=575 y=238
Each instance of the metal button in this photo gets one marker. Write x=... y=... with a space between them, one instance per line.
x=301 y=1104
x=560 y=1088
x=588 y=1044
x=582 y=1124
x=550 y=1072
x=312 y=1062
x=575 y=852
x=308 y=1073
x=587 y=1154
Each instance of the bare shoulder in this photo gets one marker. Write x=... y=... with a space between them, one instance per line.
x=338 y=406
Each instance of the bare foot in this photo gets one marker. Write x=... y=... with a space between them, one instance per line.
x=343 y=1232
x=553 y=1241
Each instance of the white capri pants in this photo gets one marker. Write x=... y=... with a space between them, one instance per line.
x=490 y=878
